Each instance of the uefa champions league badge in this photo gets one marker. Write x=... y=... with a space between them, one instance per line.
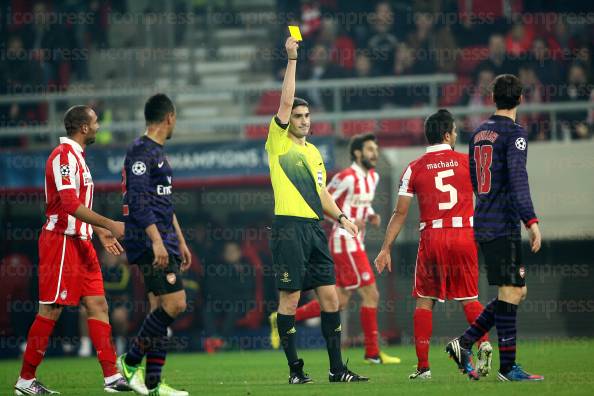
x=521 y=143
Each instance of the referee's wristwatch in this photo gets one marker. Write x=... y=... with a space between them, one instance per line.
x=340 y=217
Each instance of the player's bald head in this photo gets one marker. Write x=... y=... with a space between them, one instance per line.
x=75 y=117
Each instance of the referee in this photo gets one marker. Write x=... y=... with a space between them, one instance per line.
x=298 y=243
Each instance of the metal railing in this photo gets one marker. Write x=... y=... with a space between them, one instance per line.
x=243 y=92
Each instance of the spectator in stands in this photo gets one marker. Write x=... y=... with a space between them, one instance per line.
x=445 y=50
x=575 y=123
x=311 y=18
x=583 y=54
x=560 y=40
x=404 y=64
x=229 y=288
x=20 y=75
x=547 y=70
x=52 y=44
x=404 y=61
x=363 y=98
x=533 y=93
x=478 y=95
x=519 y=39
x=119 y=291
x=498 y=60
x=17 y=298
x=96 y=32
x=422 y=44
x=320 y=68
x=382 y=42
x=188 y=325
x=341 y=47
x=468 y=33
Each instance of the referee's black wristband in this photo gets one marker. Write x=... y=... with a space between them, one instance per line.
x=292 y=58
x=340 y=217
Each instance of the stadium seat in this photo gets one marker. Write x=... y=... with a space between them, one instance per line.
x=268 y=103
x=253 y=318
x=256 y=131
x=451 y=93
x=401 y=132
x=261 y=131
x=353 y=127
x=469 y=59
x=321 y=128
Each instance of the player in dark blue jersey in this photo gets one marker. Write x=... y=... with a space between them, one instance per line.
x=154 y=241
x=498 y=154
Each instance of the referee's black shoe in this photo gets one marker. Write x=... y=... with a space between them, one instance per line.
x=346 y=375
x=296 y=374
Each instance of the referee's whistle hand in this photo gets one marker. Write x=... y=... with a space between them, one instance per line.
x=161 y=255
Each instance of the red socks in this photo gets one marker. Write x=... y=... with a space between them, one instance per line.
x=100 y=334
x=423 y=327
x=368 y=317
x=472 y=311
x=37 y=341
x=307 y=311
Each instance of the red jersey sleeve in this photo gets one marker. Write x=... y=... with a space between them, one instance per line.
x=407 y=182
x=63 y=169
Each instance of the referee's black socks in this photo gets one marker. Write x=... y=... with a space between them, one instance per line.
x=331 y=330
x=286 y=332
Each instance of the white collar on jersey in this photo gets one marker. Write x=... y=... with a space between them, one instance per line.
x=438 y=147
x=71 y=142
x=359 y=170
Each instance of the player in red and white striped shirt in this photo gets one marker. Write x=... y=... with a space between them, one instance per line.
x=69 y=272
x=353 y=190
x=447 y=261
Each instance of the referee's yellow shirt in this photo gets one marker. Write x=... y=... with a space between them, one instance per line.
x=297 y=174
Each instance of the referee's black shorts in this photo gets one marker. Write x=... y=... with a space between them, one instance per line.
x=300 y=254
x=503 y=258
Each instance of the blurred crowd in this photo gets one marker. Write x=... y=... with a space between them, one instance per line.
x=229 y=287
x=548 y=46
x=46 y=47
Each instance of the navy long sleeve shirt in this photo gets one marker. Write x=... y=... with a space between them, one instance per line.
x=147 y=196
x=498 y=153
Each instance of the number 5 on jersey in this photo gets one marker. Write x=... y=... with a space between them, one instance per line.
x=483 y=157
x=446 y=188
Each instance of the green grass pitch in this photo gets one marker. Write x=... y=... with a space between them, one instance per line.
x=566 y=365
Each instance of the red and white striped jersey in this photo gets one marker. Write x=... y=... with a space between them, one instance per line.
x=66 y=169
x=353 y=190
x=441 y=181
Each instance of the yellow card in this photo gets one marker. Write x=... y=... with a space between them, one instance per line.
x=295 y=32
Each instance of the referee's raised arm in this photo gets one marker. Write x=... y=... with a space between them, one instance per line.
x=288 y=90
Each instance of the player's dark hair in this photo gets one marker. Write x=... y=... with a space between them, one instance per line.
x=437 y=125
x=75 y=117
x=299 y=102
x=507 y=90
x=358 y=141
x=157 y=107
